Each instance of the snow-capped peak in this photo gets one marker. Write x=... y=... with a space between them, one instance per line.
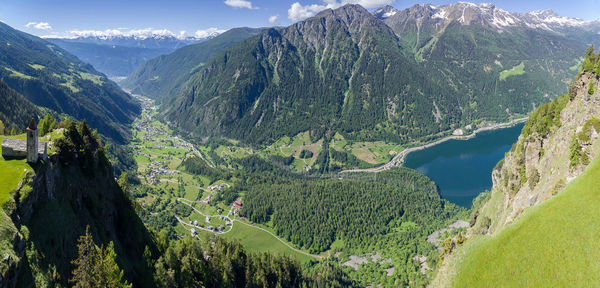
x=385 y=12
x=487 y=14
x=551 y=17
x=138 y=34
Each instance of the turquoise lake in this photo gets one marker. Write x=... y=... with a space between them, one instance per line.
x=462 y=169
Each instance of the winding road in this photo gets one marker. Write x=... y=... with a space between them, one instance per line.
x=187 y=202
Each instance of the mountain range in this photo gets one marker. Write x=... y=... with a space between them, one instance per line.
x=118 y=54
x=51 y=77
x=486 y=14
x=415 y=75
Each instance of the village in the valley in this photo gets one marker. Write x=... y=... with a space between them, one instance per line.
x=159 y=154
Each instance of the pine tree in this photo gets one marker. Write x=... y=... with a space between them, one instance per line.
x=96 y=267
x=47 y=124
x=83 y=274
x=106 y=270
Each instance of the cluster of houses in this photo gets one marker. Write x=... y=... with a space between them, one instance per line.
x=138 y=153
x=157 y=168
x=221 y=228
x=218 y=187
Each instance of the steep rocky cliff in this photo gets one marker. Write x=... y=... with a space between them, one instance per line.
x=555 y=146
x=542 y=210
x=53 y=205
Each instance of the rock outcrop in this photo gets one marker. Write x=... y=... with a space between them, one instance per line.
x=555 y=146
x=51 y=209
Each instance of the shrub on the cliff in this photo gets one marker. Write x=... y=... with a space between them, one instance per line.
x=534 y=178
x=575 y=153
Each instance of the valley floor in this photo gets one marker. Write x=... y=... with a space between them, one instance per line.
x=159 y=155
x=193 y=203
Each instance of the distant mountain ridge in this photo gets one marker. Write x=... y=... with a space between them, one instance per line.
x=486 y=14
x=167 y=42
x=51 y=77
x=473 y=73
x=113 y=60
x=118 y=53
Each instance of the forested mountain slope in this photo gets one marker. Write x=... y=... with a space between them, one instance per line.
x=541 y=209
x=50 y=77
x=15 y=110
x=499 y=63
x=342 y=70
x=399 y=76
x=163 y=77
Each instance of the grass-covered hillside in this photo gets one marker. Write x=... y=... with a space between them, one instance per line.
x=537 y=227
x=552 y=245
x=51 y=77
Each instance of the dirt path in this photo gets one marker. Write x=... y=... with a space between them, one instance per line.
x=398 y=160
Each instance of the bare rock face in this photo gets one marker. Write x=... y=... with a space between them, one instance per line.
x=539 y=166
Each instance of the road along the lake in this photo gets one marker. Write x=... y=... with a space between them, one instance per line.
x=398 y=160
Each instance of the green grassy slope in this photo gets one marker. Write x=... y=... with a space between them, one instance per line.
x=259 y=241
x=51 y=77
x=554 y=244
x=11 y=173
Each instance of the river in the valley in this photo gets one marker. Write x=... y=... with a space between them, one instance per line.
x=462 y=169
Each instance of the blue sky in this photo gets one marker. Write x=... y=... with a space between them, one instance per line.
x=45 y=17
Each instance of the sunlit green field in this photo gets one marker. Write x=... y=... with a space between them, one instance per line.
x=555 y=244
x=11 y=173
x=517 y=70
x=259 y=241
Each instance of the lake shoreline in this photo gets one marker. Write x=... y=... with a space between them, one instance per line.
x=399 y=159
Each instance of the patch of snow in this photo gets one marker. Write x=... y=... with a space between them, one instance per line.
x=441 y=14
x=389 y=14
x=462 y=17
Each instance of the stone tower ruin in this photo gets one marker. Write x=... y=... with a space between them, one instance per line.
x=32 y=142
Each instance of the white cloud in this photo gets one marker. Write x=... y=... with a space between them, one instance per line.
x=39 y=25
x=273 y=19
x=299 y=12
x=136 y=33
x=210 y=32
x=240 y=4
